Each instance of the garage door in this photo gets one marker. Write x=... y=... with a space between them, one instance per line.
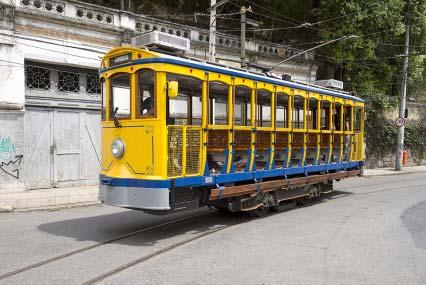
x=62 y=146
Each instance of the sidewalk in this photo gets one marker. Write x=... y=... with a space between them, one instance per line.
x=391 y=171
x=54 y=198
x=57 y=198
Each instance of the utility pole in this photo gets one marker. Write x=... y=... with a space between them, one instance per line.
x=212 y=36
x=400 y=140
x=243 y=37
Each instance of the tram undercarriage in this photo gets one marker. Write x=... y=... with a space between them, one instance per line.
x=258 y=198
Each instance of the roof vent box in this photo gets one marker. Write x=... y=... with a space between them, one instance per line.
x=161 y=40
x=330 y=83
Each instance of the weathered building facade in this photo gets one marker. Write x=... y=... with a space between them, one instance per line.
x=50 y=94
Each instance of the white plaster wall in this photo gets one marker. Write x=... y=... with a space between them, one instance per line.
x=12 y=75
x=54 y=51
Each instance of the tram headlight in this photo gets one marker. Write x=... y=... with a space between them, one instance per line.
x=117 y=148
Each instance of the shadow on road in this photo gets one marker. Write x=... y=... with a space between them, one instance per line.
x=414 y=220
x=104 y=227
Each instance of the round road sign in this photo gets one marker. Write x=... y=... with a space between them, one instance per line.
x=399 y=122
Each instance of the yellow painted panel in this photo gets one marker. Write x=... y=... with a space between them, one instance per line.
x=220 y=77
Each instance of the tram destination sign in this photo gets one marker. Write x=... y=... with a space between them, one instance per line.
x=123 y=58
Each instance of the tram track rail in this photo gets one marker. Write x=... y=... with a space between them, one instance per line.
x=99 y=244
x=160 y=251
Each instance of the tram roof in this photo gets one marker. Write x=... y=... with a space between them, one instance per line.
x=207 y=66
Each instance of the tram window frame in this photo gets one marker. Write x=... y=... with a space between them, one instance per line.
x=244 y=103
x=346 y=116
x=112 y=93
x=103 y=99
x=337 y=124
x=325 y=120
x=285 y=104
x=358 y=119
x=312 y=115
x=188 y=96
x=139 y=102
x=299 y=113
x=261 y=119
x=213 y=104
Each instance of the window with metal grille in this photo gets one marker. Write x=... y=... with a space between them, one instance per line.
x=37 y=78
x=68 y=81
x=93 y=85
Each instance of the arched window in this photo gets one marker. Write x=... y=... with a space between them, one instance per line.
x=264 y=103
x=358 y=118
x=337 y=124
x=218 y=103
x=298 y=112
x=325 y=115
x=282 y=110
x=347 y=118
x=146 y=94
x=104 y=98
x=242 y=106
x=120 y=96
x=186 y=107
x=312 y=114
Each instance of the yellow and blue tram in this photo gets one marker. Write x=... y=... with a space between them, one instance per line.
x=180 y=133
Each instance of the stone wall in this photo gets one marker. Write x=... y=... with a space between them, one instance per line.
x=389 y=160
x=416 y=115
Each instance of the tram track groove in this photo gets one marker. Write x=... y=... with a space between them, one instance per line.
x=83 y=249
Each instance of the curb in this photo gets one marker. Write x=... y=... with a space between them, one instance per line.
x=7 y=209
x=394 y=173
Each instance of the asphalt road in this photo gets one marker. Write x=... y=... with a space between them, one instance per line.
x=370 y=230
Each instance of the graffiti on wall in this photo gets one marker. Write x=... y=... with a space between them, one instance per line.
x=10 y=161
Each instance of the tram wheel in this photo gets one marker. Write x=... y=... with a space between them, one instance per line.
x=285 y=205
x=303 y=201
x=259 y=212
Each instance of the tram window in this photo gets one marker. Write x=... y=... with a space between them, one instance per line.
x=120 y=96
x=358 y=118
x=347 y=118
x=298 y=112
x=186 y=108
x=282 y=110
x=264 y=99
x=242 y=106
x=312 y=114
x=218 y=103
x=103 y=92
x=325 y=116
x=336 y=117
x=146 y=94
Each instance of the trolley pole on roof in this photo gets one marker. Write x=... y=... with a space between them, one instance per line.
x=313 y=48
x=400 y=139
